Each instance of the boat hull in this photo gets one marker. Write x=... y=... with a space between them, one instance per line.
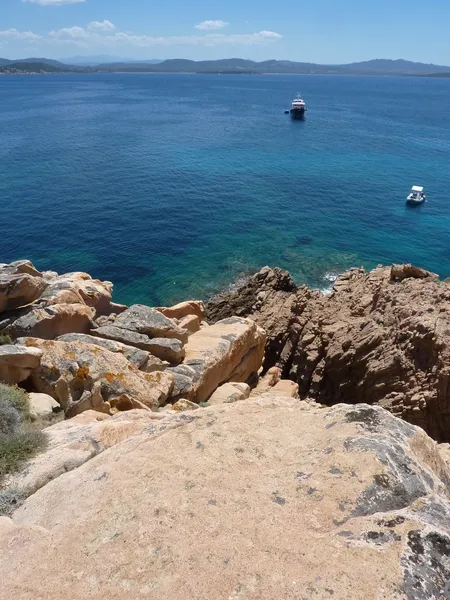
x=412 y=202
x=297 y=113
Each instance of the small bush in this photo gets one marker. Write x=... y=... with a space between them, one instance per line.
x=15 y=451
x=10 y=500
x=9 y=420
x=18 y=398
x=4 y=339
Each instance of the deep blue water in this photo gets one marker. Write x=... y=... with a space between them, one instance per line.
x=173 y=185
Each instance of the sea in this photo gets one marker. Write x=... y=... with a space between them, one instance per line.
x=176 y=186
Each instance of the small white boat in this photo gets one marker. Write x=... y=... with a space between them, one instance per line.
x=416 y=196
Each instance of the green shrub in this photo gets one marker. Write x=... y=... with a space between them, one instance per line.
x=9 y=420
x=15 y=451
x=10 y=500
x=18 y=398
x=4 y=339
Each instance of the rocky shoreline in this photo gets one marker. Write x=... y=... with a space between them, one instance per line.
x=238 y=449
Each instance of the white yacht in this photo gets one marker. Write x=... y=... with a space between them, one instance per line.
x=298 y=108
x=416 y=196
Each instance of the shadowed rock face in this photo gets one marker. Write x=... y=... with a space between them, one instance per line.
x=381 y=337
x=259 y=499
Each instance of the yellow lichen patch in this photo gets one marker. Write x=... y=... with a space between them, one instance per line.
x=153 y=377
x=71 y=355
x=110 y=377
x=83 y=371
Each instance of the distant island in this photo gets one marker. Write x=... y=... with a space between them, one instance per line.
x=380 y=67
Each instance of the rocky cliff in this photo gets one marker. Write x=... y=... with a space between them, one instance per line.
x=381 y=337
x=187 y=466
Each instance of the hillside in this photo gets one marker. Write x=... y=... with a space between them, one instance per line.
x=229 y=65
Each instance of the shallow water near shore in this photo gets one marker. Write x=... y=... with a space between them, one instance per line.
x=171 y=186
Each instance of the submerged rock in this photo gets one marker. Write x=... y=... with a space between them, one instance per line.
x=259 y=499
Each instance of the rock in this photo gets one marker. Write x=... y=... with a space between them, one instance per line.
x=267 y=297
x=184 y=309
x=149 y=321
x=138 y=358
x=83 y=376
x=267 y=382
x=230 y=392
x=183 y=404
x=183 y=381
x=75 y=441
x=20 y=284
x=49 y=322
x=381 y=337
x=269 y=498
x=77 y=288
x=232 y=349
x=155 y=364
x=285 y=387
x=166 y=349
x=400 y=272
x=17 y=362
x=42 y=404
x=191 y=323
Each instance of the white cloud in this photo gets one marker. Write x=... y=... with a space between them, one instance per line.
x=14 y=34
x=69 y=33
x=101 y=26
x=54 y=2
x=210 y=25
x=211 y=39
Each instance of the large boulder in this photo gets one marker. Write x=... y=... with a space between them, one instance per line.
x=17 y=362
x=260 y=499
x=151 y=322
x=229 y=392
x=83 y=376
x=42 y=405
x=48 y=322
x=75 y=288
x=230 y=350
x=20 y=284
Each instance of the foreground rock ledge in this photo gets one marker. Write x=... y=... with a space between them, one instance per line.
x=260 y=499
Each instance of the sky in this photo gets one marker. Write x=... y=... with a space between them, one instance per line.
x=322 y=31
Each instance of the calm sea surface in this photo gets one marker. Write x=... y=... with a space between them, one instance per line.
x=172 y=186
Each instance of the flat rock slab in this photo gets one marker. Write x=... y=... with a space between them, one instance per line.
x=166 y=349
x=149 y=321
x=256 y=500
x=138 y=358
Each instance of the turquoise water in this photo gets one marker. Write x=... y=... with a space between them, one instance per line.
x=172 y=186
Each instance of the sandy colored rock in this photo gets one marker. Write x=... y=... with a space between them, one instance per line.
x=183 y=404
x=381 y=337
x=75 y=288
x=191 y=323
x=256 y=500
x=75 y=441
x=20 y=284
x=49 y=322
x=42 y=404
x=267 y=381
x=230 y=349
x=138 y=358
x=285 y=387
x=230 y=392
x=184 y=309
x=83 y=376
x=17 y=362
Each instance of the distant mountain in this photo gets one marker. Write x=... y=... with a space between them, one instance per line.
x=15 y=67
x=400 y=66
x=91 y=61
x=230 y=66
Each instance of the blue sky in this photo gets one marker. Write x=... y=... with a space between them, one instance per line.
x=324 y=31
